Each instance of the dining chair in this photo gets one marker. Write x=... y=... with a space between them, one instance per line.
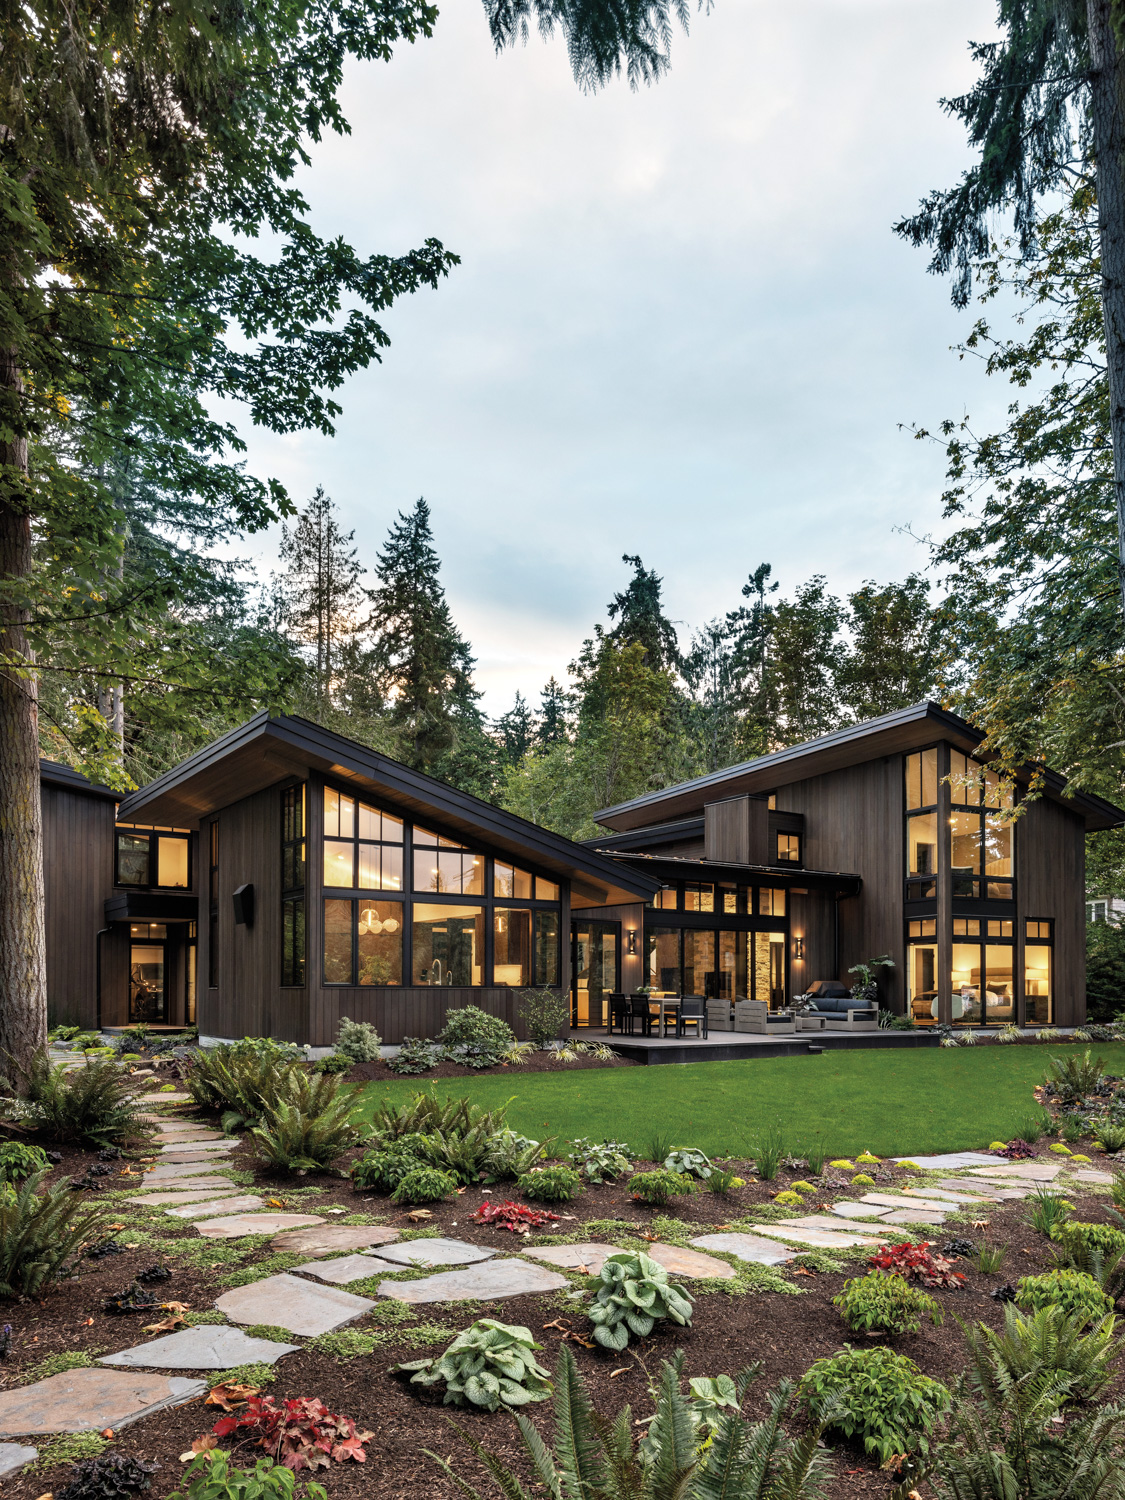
x=618 y=1012
x=640 y=1009
x=692 y=1012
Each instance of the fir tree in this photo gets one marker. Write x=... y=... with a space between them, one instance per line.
x=320 y=590
x=751 y=627
x=892 y=661
x=423 y=666
x=553 y=727
x=517 y=730
x=642 y=619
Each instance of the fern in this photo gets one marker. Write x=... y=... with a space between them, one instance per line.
x=90 y=1105
x=308 y=1125
x=41 y=1232
x=1049 y=1340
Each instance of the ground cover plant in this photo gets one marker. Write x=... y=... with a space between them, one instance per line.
x=633 y=1294
x=885 y=1304
x=490 y=1365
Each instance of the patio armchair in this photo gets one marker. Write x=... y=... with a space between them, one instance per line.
x=756 y=1016
x=720 y=1015
x=692 y=1011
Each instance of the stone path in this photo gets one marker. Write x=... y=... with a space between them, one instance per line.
x=298 y=1306
x=1022 y=1171
x=182 y=1156
x=951 y=1160
x=748 y=1247
x=330 y=1237
x=900 y=1200
x=981 y=1185
x=831 y=1225
x=13 y=1456
x=488 y=1279
x=691 y=1263
x=211 y=1346
x=820 y=1239
x=435 y=1252
x=81 y=1400
x=345 y=1269
x=237 y=1225
x=208 y=1143
x=181 y=1171
x=209 y=1190
x=242 y=1204
x=588 y=1256
x=847 y=1208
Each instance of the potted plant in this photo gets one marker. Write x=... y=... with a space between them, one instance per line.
x=866 y=987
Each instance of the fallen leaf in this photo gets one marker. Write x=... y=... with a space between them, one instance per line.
x=90 y=1321
x=115 y=1226
x=134 y=1246
x=568 y=1216
x=624 y=1370
x=419 y=1215
x=333 y=1210
x=50 y=1495
x=107 y=1432
x=202 y=1444
x=800 y=1271
x=275 y=1203
x=175 y=1307
x=166 y=1325
x=230 y=1394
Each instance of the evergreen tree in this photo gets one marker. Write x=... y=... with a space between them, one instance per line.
x=710 y=672
x=553 y=727
x=320 y=591
x=421 y=663
x=517 y=730
x=893 y=658
x=751 y=628
x=642 y=619
x=807 y=658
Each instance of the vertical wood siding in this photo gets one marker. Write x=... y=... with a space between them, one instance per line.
x=1051 y=885
x=78 y=843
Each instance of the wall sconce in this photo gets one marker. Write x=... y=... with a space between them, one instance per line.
x=632 y=941
x=799 y=948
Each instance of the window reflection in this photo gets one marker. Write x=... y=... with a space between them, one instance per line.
x=921 y=779
x=699 y=963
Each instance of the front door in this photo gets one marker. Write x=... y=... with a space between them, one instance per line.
x=595 y=955
x=148 y=992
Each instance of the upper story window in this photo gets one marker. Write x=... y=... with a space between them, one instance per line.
x=157 y=858
x=979 y=832
x=789 y=849
x=442 y=865
x=508 y=880
x=362 y=845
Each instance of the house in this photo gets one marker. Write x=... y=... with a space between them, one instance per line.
x=285 y=876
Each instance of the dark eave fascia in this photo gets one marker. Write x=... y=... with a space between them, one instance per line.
x=297 y=742
x=653 y=833
x=676 y=867
x=906 y=729
x=55 y=773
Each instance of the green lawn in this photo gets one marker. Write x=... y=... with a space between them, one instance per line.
x=891 y=1102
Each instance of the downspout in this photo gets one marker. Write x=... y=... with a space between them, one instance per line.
x=98 y=971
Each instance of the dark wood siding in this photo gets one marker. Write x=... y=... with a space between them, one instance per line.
x=854 y=822
x=1051 y=885
x=78 y=878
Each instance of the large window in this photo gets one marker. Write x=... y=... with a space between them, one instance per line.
x=980 y=830
x=362 y=941
x=448 y=944
x=442 y=865
x=293 y=886
x=727 y=964
x=362 y=846
x=982 y=973
x=156 y=858
x=921 y=971
x=1038 y=977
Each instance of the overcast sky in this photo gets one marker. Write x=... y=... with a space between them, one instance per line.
x=682 y=325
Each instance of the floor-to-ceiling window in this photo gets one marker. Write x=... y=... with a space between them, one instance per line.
x=596 y=968
x=921 y=971
x=1038 y=972
x=725 y=941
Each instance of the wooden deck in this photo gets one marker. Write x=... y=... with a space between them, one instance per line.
x=740 y=1046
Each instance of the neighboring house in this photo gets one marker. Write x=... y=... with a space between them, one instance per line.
x=1105 y=909
x=285 y=876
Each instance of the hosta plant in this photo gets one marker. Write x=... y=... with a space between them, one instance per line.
x=490 y=1365
x=591 y=1456
x=514 y=1216
x=690 y=1162
x=301 y=1434
x=633 y=1293
x=599 y=1161
x=916 y=1263
x=508 y=1154
x=878 y=1397
x=884 y=1304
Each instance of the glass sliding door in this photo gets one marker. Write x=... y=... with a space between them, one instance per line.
x=148 y=999
x=700 y=976
x=769 y=969
x=595 y=951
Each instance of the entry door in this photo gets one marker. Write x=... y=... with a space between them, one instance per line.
x=595 y=956
x=148 y=990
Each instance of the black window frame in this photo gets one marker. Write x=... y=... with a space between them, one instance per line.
x=294 y=934
x=152 y=837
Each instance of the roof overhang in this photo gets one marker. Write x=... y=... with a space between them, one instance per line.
x=151 y=906
x=54 y=773
x=673 y=867
x=892 y=734
x=270 y=749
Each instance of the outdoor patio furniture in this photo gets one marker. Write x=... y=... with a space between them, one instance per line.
x=692 y=1011
x=618 y=1012
x=860 y=1018
x=832 y=999
x=756 y=1016
x=720 y=1016
x=669 y=1012
x=640 y=1009
x=810 y=1020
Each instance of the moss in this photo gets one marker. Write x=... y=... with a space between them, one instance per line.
x=269 y=1331
x=68 y=1448
x=244 y=1375
x=56 y=1364
x=271 y=1266
x=204 y=1315
x=353 y=1343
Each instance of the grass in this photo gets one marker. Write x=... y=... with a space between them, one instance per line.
x=897 y=1103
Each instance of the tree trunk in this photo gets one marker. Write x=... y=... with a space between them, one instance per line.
x=23 y=968
x=1107 y=112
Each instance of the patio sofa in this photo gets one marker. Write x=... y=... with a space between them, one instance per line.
x=832 y=998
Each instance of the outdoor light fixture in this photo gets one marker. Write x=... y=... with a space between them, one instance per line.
x=799 y=948
x=632 y=940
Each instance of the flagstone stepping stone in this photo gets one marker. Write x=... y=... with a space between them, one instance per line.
x=194 y=1155
x=1090 y=1174
x=207 y=1143
x=820 y=1239
x=211 y=1346
x=154 y=1096
x=1023 y=1171
x=746 y=1247
x=170 y=1171
x=847 y=1209
x=951 y=1160
x=13 y=1456
x=243 y=1203
x=436 y=1252
x=345 y=1268
x=900 y=1200
x=81 y=1400
x=823 y=1221
x=237 y=1225
x=982 y=1185
x=209 y=1190
x=575 y=1257
x=915 y=1216
x=942 y=1195
x=333 y=1237
x=186 y=1137
x=288 y=1302
x=680 y=1262
x=488 y=1279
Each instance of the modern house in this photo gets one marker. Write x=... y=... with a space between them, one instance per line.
x=285 y=876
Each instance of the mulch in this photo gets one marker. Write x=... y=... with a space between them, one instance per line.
x=535 y=1062
x=784 y=1333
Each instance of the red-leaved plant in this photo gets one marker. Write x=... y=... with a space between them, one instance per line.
x=302 y=1434
x=1017 y=1151
x=915 y=1263
x=514 y=1216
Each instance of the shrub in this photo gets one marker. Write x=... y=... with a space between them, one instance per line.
x=303 y=1434
x=358 y=1041
x=1034 y=1127
x=915 y=1263
x=240 y=1079
x=415 y=1055
x=1074 y=1076
x=633 y=1294
x=107 y=1477
x=40 y=1233
x=877 y=1396
x=424 y=1185
x=18 y=1160
x=209 y=1476
x=90 y=1106
x=603 y=1162
x=490 y=1365
x=545 y=1014
x=689 y=1161
x=1073 y=1292
x=884 y=1304
x=660 y=1187
x=557 y=1184
x=1110 y=1136
x=382 y=1171
x=862 y=1179
x=335 y=1062
x=789 y=1200
x=307 y=1125
x=474 y=1038
x=510 y=1155
x=1079 y=1239
x=1059 y=1149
